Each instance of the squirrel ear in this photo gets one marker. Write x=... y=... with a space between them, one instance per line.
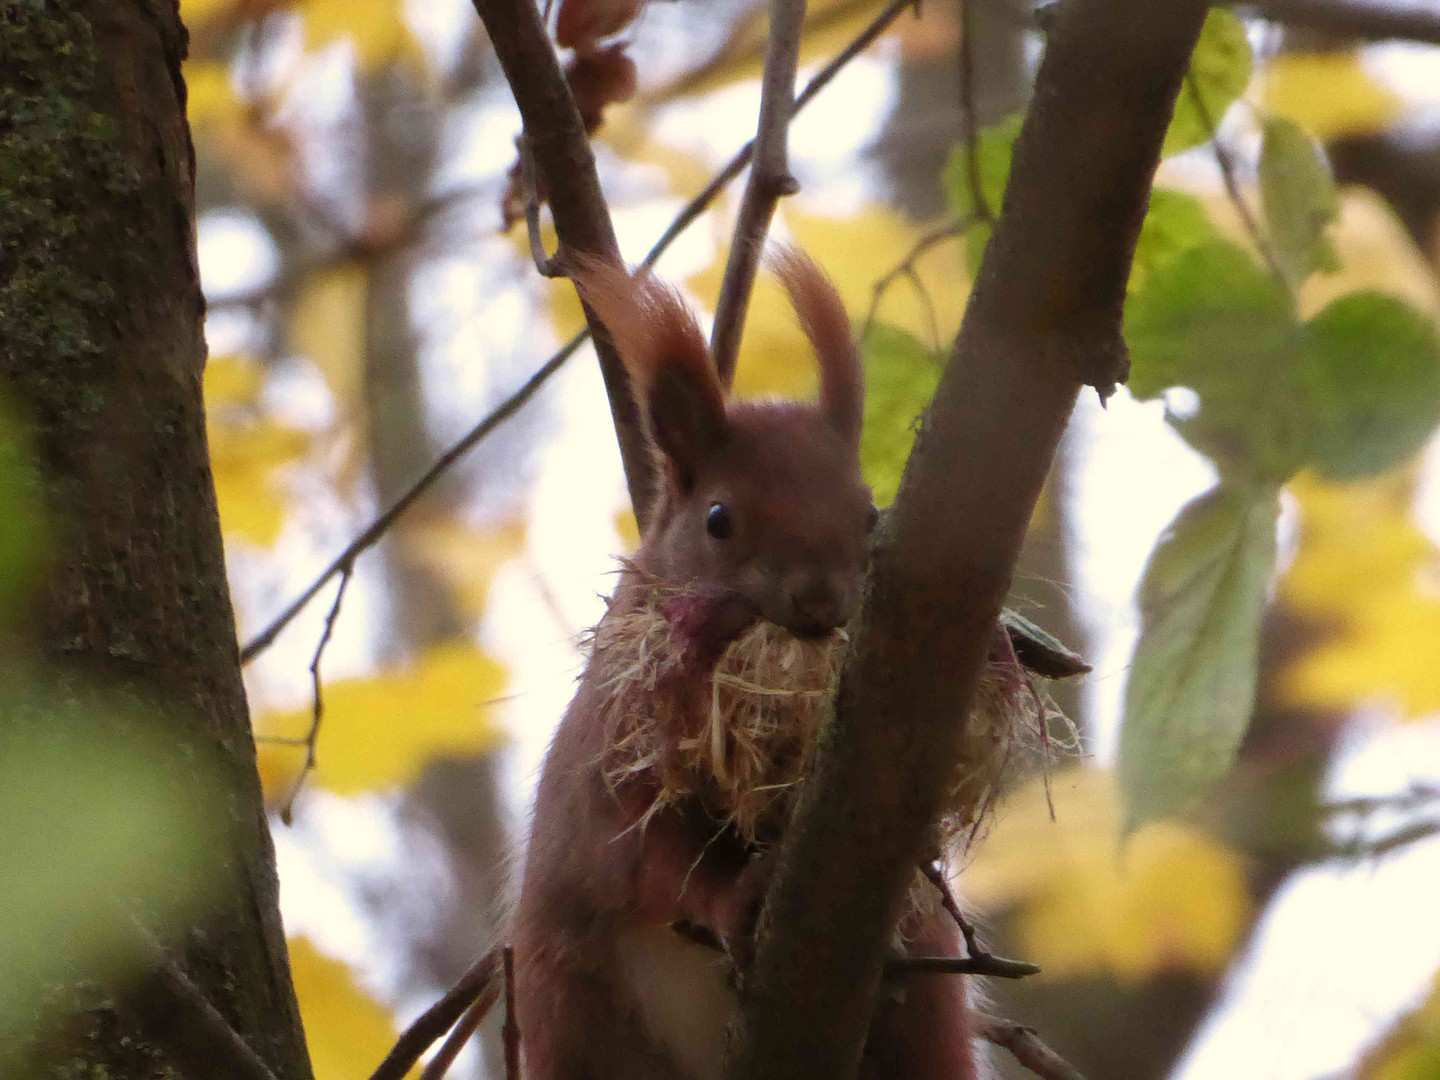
x=822 y=317
x=671 y=372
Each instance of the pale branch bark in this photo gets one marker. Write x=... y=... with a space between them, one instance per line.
x=687 y=216
x=770 y=180
x=1026 y=1046
x=1369 y=20
x=1043 y=320
x=430 y=1027
x=555 y=136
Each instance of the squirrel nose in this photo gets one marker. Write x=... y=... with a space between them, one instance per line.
x=817 y=607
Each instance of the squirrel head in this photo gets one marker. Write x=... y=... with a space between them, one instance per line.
x=763 y=498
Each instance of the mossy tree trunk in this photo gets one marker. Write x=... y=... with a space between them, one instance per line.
x=128 y=625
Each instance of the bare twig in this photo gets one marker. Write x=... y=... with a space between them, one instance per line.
x=545 y=263
x=1228 y=176
x=511 y=1031
x=511 y=405
x=1369 y=20
x=431 y=1026
x=1043 y=320
x=462 y=1033
x=183 y=1018
x=987 y=964
x=317 y=711
x=906 y=268
x=1026 y=1046
x=969 y=118
x=770 y=180
x=555 y=137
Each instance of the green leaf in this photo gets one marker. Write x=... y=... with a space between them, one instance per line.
x=1174 y=223
x=1370 y=367
x=1192 y=683
x=1210 y=319
x=1219 y=72
x=900 y=379
x=994 y=149
x=1297 y=192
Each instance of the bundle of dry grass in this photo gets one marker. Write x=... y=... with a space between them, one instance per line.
x=740 y=734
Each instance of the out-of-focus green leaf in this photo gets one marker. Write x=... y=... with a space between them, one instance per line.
x=1219 y=72
x=1174 y=223
x=1210 y=319
x=105 y=822
x=1192 y=683
x=1370 y=368
x=900 y=379
x=21 y=532
x=994 y=149
x=1297 y=192
x=1410 y=1050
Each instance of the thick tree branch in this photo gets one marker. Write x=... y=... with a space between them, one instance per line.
x=770 y=180
x=1043 y=320
x=555 y=136
x=1369 y=20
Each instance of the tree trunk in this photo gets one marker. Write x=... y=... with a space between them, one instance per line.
x=129 y=628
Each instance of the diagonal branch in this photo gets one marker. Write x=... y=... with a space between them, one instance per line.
x=555 y=137
x=692 y=210
x=474 y=987
x=1026 y=1046
x=770 y=180
x=1043 y=320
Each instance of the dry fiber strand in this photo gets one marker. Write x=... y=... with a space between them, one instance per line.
x=740 y=735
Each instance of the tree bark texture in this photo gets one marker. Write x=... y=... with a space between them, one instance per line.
x=1043 y=320
x=101 y=358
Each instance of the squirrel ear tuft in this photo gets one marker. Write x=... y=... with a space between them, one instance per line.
x=823 y=318
x=669 y=364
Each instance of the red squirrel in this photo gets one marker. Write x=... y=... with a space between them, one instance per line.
x=632 y=914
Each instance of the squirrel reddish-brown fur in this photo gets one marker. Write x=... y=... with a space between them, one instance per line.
x=631 y=918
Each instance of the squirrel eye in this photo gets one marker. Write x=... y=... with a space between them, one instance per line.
x=872 y=517
x=717 y=521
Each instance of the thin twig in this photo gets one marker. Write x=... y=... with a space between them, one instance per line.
x=770 y=180
x=1228 y=176
x=511 y=405
x=906 y=268
x=969 y=119
x=435 y=1021
x=510 y=1033
x=317 y=712
x=995 y=966
x=1026 y=1046
x=545 y=263
x=985 y=962
x=463 y=1032
x=202 y=1038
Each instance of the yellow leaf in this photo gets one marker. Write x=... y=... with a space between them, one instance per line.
x=209 y=93
x=628 y=529
x=466 y=557
x=194 y=12
x=246 y=450
x=1366 y=574
x=328 y=325
x=1330 y=93
x=376 y=28
x=1411 y=1049
x=347 y=1032
x=1169 y=898
x=232 y=379
x=380 y=730
x=775 y=357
